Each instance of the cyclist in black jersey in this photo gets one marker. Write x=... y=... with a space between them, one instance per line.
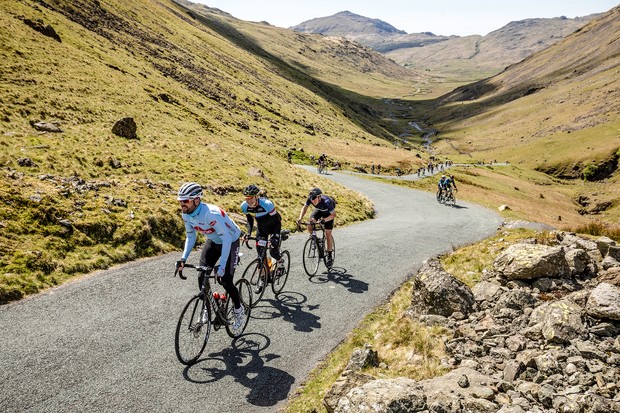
x=268 y=221
x=325 y=213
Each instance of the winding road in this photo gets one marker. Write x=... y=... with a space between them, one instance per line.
x=105 y=342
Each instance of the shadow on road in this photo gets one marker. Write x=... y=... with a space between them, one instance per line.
x=340 y=276
x=291 y=308
x=244 y=363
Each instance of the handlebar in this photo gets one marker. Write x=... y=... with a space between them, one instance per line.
x=283 y=236
x=319 y=224
x=208 y=270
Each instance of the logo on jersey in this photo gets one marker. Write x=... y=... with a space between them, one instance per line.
x=212 y=223
x=205 y=231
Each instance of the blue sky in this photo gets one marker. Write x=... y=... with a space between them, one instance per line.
x=445 y=17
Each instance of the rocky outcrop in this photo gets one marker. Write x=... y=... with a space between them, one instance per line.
x=538 y=334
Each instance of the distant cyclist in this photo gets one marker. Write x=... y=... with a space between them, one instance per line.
x=222 y=240
x=322 y=161
x=268 y=222
x=441 y=185
x=451 y=182
x=325 y=213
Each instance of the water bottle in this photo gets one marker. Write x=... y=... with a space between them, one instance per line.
x=223 y=298
x=216 y=296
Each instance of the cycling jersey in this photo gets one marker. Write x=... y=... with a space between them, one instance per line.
x=213 y=222
x=267 y=218
x=326 y=204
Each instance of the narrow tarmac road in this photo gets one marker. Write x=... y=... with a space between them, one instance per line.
x=105 y=342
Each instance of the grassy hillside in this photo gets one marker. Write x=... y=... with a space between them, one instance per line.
x=556 y=112
x=210 y=106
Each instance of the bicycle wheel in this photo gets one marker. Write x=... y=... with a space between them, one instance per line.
x=192 y=331
x=311 y=257
x=245 y=294
x=439 y=197
x=451 y=199
x=281 y=274
x=256 y=273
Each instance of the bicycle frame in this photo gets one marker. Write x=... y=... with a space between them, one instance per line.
x=316 y=242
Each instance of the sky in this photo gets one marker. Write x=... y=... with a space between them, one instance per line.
x=441 y=17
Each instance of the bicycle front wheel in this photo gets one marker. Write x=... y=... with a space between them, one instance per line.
x=193 y=330
x=256 y=274
x=281 y=273
x=311 y=257
x=452 y=200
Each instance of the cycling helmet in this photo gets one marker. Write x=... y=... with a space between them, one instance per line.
x=443 y=176
x=251 y=190
x=314 y=192
x=189 y=190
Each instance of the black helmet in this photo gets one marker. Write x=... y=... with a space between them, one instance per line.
x=189 y=190
x=251 y=190
x=314 y=192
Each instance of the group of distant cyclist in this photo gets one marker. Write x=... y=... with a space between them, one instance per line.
x=223 y=235
x=444 y=189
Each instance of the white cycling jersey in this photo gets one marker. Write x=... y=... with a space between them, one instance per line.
x=213 y=222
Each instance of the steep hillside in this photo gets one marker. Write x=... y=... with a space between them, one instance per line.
x=210 y=105
x=557 y=111
x=334 y=60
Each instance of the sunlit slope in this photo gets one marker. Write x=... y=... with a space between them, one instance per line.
x=557 y=111
x=207 y=108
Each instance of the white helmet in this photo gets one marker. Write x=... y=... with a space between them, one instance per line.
x=189 y=190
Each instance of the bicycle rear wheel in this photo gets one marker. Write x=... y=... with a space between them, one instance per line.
x=311 y=257
x=256 y=274
x=281 y=273
x=245 y=295
x=193 y=330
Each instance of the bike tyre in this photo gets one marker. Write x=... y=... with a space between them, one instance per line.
x=188 y=342
x=256 y=272
x=311 y=258
x=245 y=295
x=279 y=282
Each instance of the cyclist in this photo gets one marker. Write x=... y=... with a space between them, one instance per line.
x=451 y=182
x=325 y=213
x=322 y=161
x=222 y=240
x=441 y=185
x=268 y=222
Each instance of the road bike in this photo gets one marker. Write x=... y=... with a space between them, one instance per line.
x=446 y=197
x=315 y=249
x=206 y=310
x=263 y=270
x=449 y=197
x=321 y=167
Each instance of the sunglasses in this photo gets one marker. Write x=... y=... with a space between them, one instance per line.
x=185 y=201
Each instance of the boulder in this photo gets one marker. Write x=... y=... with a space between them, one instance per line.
x=437 y=292
x=400 y=395
x=531 y=261
x=125 y=128
x=604 y=302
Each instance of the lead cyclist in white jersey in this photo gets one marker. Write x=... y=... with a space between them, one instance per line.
x=222 y=240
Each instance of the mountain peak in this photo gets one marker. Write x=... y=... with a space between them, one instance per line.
x=346 y=22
